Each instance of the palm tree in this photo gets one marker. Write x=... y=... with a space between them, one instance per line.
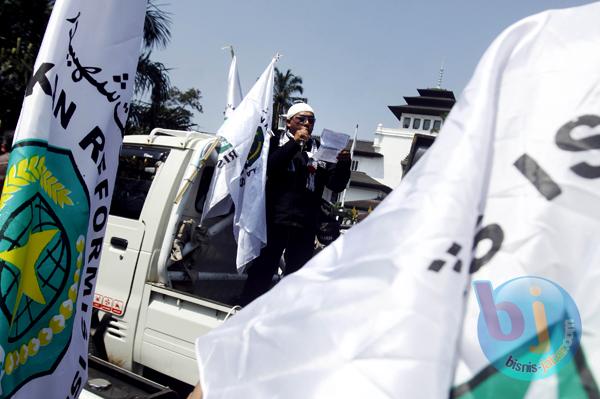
x=153 y=76
x=286 y=85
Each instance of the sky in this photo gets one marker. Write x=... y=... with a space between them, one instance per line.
x=355 y=57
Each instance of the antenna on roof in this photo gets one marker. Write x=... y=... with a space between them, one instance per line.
x=439 y=85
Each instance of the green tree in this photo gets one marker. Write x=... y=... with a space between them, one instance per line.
x=285 y=88
x=175 y=112
x=22 y=27
x=157 y=103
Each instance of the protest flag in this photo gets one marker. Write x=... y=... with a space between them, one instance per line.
x=388 y=311
x=57 y=192
x=241 y=171
x=234 y=88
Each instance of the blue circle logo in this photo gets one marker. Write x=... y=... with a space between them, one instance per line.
x=528 y=327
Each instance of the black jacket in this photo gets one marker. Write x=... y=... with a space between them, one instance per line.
x=289 y=201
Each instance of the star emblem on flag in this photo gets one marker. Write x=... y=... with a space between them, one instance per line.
x=24 y=259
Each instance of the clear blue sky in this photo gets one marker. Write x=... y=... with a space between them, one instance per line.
x=356 y=56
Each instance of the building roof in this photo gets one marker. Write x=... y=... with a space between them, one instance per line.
x=361 y=179
x=436 y=93
x=364 y=148
x=429 y=101
x=398 y=110
x=434 y=102
x=362 y=205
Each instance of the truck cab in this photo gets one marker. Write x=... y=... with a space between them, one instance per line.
x=166 y=277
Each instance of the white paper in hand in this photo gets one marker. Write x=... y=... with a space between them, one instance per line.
x=331 y=145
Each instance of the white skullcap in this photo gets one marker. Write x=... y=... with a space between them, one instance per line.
x=297 y=108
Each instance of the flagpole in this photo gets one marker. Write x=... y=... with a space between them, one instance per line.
x=351 y=156
x=230 y=47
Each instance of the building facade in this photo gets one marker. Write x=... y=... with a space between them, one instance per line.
x=423 y=114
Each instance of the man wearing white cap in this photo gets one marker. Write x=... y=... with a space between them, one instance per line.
x=295 y=183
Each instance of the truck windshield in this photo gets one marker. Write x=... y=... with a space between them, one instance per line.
x=137 y=167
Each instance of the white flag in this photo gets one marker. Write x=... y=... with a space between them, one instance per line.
x=57 y=192
x=542 y=217
x=241 y=171
x=379 y=313
x=234 y=88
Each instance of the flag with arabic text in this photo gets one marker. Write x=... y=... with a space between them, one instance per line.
x=56 y=195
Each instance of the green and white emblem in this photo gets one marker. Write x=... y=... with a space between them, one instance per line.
x=44 y=211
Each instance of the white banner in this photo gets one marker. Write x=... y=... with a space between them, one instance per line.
x=380 y=312
x=234 y=88
x=241 y=171
x=542 y=216
x=57 y=193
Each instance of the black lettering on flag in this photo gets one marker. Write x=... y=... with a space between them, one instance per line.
x=39 y=77
x=438 y=264
x=491 y=232
x=96 y=245
x=538 y=177
x=76 y=384
x=565 y=141
x=89 y=280
x=100 y=217
x=101 y=189
x=65 y=114
x=82 y=362
x=95 y=138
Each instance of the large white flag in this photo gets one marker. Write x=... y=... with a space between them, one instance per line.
x=241 y=170
x=234 y=88
x=57 y=192
x=380 y=313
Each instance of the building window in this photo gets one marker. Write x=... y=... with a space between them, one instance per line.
x=416 y=123
x=426 y=124
x=437 y=125
x=354 y=166
x=406 y=124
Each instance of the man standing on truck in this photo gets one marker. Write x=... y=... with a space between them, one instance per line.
x=295 y=183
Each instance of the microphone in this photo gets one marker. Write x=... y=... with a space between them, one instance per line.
x=302 y=144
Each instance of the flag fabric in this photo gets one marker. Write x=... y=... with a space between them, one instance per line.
x=542 y=216
x=241 y=171
x=234 y=88
x=56 y=195
x=510 y=188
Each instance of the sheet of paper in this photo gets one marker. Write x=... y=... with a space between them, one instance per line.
x=331 y=145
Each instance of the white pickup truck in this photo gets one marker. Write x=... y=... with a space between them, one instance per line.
x=165 y=278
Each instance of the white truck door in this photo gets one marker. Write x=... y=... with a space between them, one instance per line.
x=138 y=167
x=120 y=253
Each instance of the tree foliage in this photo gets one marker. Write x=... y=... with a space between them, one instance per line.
x=176 y=112
x=22 y=27
x=285 y=88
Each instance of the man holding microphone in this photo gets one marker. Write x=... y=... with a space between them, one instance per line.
x=295 y=183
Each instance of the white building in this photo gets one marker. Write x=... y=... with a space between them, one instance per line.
x=423 y=114
x=367 y=165
x=378 y=166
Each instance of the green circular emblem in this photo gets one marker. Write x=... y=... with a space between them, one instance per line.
x=44 y=211
x=256 y=148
